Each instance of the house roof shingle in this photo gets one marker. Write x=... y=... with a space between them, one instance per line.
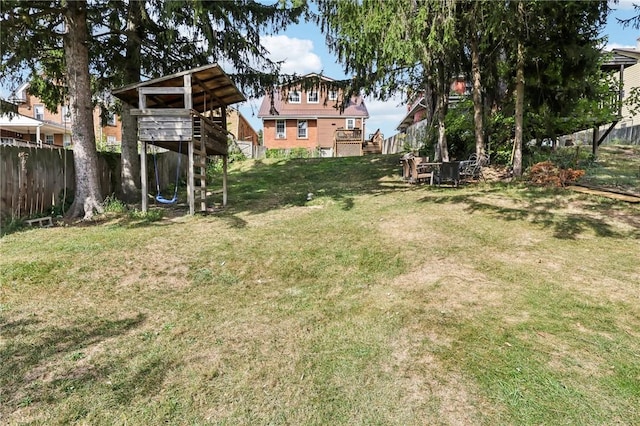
x=283 y=109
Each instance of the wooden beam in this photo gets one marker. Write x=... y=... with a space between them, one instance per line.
x=225 y=161
x=203 y=174
x=188 y=95
x=163 y=90
x=143 y=177
x=190 y=181
x=162 y=112
x=207 y=90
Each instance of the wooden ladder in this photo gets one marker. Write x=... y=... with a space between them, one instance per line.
x=200 y=173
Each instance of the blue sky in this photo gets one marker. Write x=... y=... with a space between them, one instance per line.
x=303 y=49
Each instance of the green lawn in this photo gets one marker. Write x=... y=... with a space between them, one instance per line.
x=374 y=303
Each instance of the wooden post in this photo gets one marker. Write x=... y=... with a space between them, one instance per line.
x=188 y=98
x=190 y=181
x=224 y=179
x=594 y=142
x=620 y=91
x=143 y=176
x=202 y=163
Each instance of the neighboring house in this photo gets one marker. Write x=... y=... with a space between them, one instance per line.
x=311 y=120
x=239 y=127
x=416 y=110
x=245 y=135
x=627 y=62
x=109 y=134
x=20 y=130
x=624 y=64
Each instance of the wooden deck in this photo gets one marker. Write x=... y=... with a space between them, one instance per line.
x=348 y=142
x=167 y=127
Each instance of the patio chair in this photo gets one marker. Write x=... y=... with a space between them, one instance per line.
x=420 y=170
x=472 y=168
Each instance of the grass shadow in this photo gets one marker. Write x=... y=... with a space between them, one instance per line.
x=262 y=185
x=536 y=206
x=32 y=348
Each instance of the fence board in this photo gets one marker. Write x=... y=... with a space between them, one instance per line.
x=33 y=180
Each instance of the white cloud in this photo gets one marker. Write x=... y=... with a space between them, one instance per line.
x=296 y=53
x=385 y=115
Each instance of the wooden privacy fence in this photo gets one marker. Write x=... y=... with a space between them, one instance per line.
x=34 y=180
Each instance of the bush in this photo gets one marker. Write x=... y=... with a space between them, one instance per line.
x=10 y=226
x=289 y=153
x=148 y=216
x=113 y=205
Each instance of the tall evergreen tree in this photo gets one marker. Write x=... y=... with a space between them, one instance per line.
x=397 y=45
x=185 y=34
x=50 y=40
x=130 y=40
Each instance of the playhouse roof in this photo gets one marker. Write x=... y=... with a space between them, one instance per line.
x=211 y=88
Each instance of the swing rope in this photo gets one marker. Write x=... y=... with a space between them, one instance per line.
x=159 y=197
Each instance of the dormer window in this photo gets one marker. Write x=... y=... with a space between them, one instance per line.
x=333 y=95
x=312 y=97
x=294 y=97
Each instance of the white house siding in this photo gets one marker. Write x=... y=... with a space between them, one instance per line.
x=631 y=79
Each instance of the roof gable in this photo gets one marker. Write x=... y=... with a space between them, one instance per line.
x=324 y=107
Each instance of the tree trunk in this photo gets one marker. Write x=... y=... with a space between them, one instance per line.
x=519 y=113
x=130 y=158
x=442 y=153
x=477 y=97
x=88 y=197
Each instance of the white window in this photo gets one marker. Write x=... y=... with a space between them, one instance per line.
x=294 y=97
x=351 y=123
x=302 y=129
x=38 y=112
x=312 y=97
x=66 y=140
x=66 y=115
x=48 y=139
x=333 y=95
x=111 y=118
x=281 y=130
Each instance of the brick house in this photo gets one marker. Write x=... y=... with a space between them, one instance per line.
x=310 y=119
x=108 y=135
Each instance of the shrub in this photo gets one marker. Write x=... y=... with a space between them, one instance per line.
x=113 y=205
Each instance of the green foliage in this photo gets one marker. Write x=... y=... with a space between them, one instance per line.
x=632 y=100
x=64 y=201
x=11 y=225
x=113 y=205
x=214 y=169
x=152 y=215
x=460 y=130
x=290 y=153
x=500 y=134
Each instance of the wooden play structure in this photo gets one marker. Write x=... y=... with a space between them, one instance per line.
x=185 y=113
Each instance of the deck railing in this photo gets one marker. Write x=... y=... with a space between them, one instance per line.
x=348 y=135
